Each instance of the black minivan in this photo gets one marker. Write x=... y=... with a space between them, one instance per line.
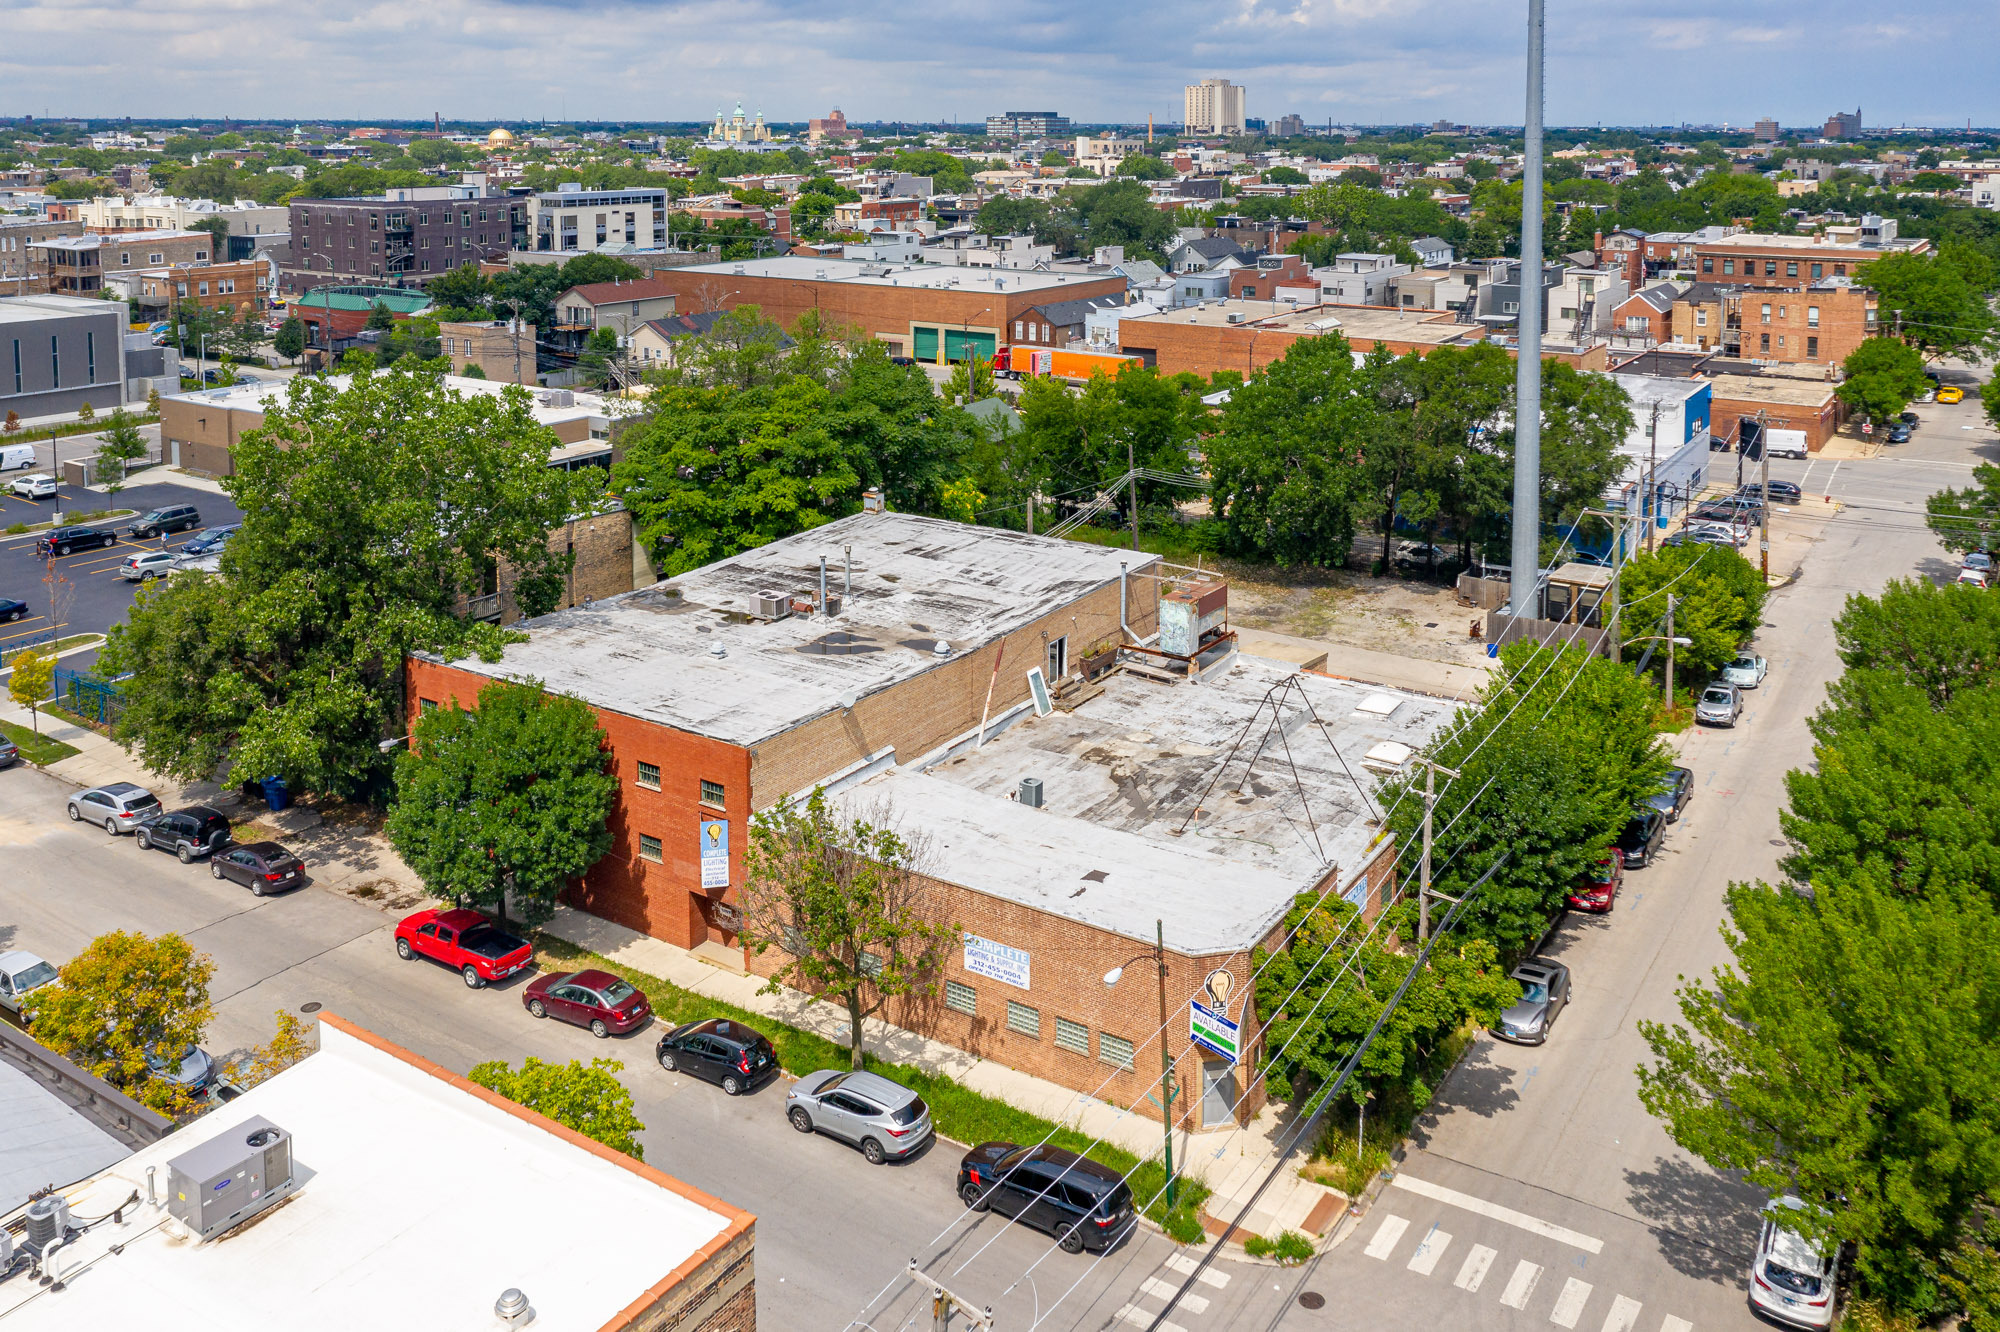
x=726 y=1053
x=159 y=522
x=1083 y=1204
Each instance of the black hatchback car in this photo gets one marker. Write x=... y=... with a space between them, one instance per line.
x=63 y=540
x=259 y=866
x=1672 y=797
x=159 y=522
x=726 y=1053
x=188 y=833
x=1640 y=841
x=1083 y=1204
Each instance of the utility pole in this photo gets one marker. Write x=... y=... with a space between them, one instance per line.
x=1670 y=652
x=1133 y=495
x=1527 y=553
x=1431 y=770
x=1764 y=495
x=1650 y=508
x=944 y=1304
x=1031 y=513
x=1166 y=1061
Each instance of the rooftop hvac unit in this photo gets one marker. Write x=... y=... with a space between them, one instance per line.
x=558 y=398
x=773 y=606
x=1235 y=316
x=230 y=1178
x=1030 y=793
x=47 y=1221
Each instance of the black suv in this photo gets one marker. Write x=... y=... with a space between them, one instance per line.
x=194 y=831
x=1083 y=1204
x=726 y=1053
x=173 y=518
x=63 y=540
x=1640 y=841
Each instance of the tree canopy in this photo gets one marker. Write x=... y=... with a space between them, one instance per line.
x=588 y=1098
x=1882 y=377
x=127 y=1009
x=1936 y=303
x=1718 y=600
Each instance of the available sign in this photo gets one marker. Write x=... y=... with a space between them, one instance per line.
x=983 y=957
x=1214 y=1032
x=715 y=853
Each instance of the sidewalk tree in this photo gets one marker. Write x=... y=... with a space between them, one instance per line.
x=1968 y=519
x=1883 y=376
x=33 y=676
x=849 y=903
x=373 y=511
x=1718 y=601
x=122 y=446
x=1928 y=302
x=290 y=340
x=381 y=319
x=1943 y=641
x=86 y=412
x=123 y=1004
x=292 y=1039
x=969 y=382
x=506 y=804
x=588 y=1098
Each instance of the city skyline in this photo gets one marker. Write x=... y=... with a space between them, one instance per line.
x=520 y=60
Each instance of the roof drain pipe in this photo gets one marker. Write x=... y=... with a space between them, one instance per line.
x=1129 y=635
x=847 y=585
x=822 y=585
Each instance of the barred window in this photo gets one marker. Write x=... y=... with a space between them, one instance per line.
x=712 y=794
x=649 y=776
x=960 y=998
x=1073 y=1037
x=1114 y=1050
x=1026 y=1020
x=649 y=848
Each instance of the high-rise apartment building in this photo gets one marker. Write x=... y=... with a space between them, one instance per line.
x=1027 y=125
x=1213 y=106
x=1841 y=125
x=1766 y=131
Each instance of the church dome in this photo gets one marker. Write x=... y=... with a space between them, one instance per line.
x=500 y=138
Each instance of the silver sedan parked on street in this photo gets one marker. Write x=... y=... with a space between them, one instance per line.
x=1720 y=705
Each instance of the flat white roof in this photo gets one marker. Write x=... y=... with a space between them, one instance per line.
x=929 y=276
x=378 y=1235
x=252 y=395
x=917 y=581
x=1122 y=774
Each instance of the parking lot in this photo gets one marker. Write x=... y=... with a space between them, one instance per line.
x=90 y=597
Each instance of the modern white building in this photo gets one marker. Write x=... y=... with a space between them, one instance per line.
x=165 y=212
x=570 y=218
x=1213 y=106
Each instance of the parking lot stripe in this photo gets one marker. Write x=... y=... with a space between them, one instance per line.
x=26 y=633
x=1624 y=1314
x=1473 y=1270
x=1521 y=1285
x=1165 y=1290
x=1385 y=1238
x=1429 y=1249
x=1494 y=1211
x=1569 y=1304
x=1183 y=1264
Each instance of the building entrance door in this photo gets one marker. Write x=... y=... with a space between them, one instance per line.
x=1218 y=1093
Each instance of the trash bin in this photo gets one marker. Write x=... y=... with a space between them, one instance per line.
x=1492 y=650
x=275 y=794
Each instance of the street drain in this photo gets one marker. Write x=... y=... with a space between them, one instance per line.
x=311 y=1006
x=1312 y=1299
x=1779 y=841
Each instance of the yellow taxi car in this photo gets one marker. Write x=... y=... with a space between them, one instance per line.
x=1951 y=393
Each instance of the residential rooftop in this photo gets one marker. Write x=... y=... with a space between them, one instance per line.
x=550 y=406
x=1774 y=388
x=1374 y=322
x=690 y=653
x=375 y=1236
x=1265 y=818
x=93 y=240
x=879 y=273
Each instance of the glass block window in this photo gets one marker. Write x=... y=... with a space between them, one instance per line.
x=1073 y=1037
x=871 y=965
x=1114 y=1050
x=960 y=998
x=1026 y=1020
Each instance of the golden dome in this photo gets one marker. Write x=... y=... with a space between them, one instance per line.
x=500 y=139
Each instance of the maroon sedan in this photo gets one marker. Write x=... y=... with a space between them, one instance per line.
x=594 y=999
x=1598 y=888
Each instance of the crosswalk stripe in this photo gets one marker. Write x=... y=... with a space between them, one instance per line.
x=1624 y=1313
x=1429 y=1250
x=1507 y=1215
x=1673 y=1324
x=1520 y=1285
x=1132 y=1313
x=1165 y=1290
x=1474 y=1269
x=1385 y=1238
x=1183 y=1264
x=1569 y=1304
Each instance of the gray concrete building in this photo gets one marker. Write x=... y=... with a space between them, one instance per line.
x=59 y=352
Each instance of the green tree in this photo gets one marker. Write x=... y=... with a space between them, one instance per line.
x=1284 y=175
x=969 y=381
x=1965 y=519
x=372 y=512
x=1144 y=166
x=1054 y=157
x=217 y=229
x=1718 y=601
x=849 y=903
x=1004 y=215
x=380 y=318
x=504 y=805
x=33 y=676
x=1989 y=400
x=122 y=446
x=290 y=341
x=587 y=1098
x=127 y=1008
x=1883 y=376
x=1926 y=301
x=463 y=288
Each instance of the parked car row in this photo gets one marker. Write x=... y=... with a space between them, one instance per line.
x=194 y=833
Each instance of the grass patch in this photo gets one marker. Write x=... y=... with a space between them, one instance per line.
x=61 y=713
x=1290 y=1248
x=90 y=427
x=252 y=831
x=959 y=1114
x=36 y=748
x=72 y=519
x=1350 y=1153
x=1178 y=543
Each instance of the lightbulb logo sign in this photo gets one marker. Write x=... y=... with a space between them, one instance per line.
x=715 y=853
x=1218 y=986
x=1208 y=1018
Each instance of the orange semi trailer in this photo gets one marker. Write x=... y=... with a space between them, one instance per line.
x=1023 y=362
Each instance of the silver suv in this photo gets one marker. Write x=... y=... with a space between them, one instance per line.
x=1720 y=705
x=886 y=1121
x=121 y=807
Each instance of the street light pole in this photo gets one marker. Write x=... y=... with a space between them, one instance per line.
x=1670 y=652
x=1158 y=953
x=1431 y=770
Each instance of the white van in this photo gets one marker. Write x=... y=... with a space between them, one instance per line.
x=14 y=456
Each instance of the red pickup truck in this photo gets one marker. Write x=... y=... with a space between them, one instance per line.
x=465 y=941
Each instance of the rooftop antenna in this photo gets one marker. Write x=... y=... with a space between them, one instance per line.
x=1526 y=578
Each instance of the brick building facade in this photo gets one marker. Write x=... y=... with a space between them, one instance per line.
x=24 y=266
x=1818 y=324
x=1753 y=260
x=503 y=352
x=229 y=287
x=398 y=241
x=77 y=264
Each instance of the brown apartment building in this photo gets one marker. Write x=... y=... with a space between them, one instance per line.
x=932 y=312
x=1819 y=324
x=230 y=287
x=885 y=659
x=1754 y=260
x=24 y=266
x=78 y=264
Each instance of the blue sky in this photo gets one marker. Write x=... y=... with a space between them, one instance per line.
x=1610 y=61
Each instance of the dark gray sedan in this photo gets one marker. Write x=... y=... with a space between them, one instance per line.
x=1544 y=994
x=262 y=867
x=884 y=1120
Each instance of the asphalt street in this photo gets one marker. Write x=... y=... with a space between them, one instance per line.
x=90 y=597
x=833 y=1231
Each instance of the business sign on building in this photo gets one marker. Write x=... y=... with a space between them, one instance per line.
x=1214 y=1032
x=715 y=853
x=997 y=961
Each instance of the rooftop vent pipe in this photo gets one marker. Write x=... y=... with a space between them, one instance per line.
x=513 y=1309
x=941 y=649
x=717 y=650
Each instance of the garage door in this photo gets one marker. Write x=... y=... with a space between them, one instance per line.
x=925 y=343
x=961 y=346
